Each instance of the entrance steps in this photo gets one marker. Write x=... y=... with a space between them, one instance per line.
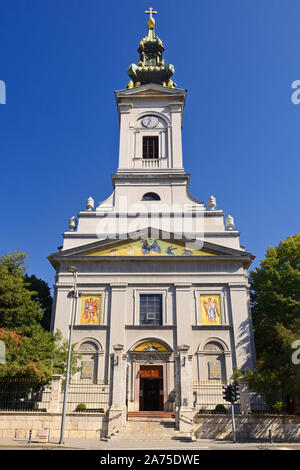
x=150 y=428
x=150 y=415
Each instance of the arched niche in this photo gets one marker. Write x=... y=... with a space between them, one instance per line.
x=89 y=350
x=214 y=360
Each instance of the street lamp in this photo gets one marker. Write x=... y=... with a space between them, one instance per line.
x=74 y=271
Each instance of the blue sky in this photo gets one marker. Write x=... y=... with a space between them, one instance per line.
x=59 y=134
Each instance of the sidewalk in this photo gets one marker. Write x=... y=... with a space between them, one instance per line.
x=93 y=444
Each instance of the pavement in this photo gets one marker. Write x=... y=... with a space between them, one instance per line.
x=174 y=444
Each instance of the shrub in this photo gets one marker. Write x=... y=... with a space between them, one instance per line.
x=81 y=407
x=220 y=409
x=277 y=407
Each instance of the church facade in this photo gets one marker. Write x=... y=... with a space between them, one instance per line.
x=162 y=294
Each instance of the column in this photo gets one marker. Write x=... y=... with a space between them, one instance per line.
x=117 y=410
x=186 y=410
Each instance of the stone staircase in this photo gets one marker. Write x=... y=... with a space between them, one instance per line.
x=157 y=427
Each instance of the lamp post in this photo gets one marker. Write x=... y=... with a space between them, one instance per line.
x=74 y=271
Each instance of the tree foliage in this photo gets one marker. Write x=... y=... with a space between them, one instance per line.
x=18 y=309
x=42 y=295
x=31 y=350
x=275 y=302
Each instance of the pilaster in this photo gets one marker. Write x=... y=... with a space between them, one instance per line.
x=117 y=410
x=186 y=410
x=183 y=312
x=242 y=328
x=124 y=151
x=176 y=143
x=118 y=314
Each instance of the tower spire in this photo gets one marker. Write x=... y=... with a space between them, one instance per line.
x=151 y=22
x=151 y=67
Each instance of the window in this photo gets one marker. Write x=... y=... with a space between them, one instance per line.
x=150 y=309
x=150 y=147
x=151 y=197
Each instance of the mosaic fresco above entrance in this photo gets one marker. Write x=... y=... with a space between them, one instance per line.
x=150 y=346
x=149 y=247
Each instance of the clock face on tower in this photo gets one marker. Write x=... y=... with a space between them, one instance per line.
x=150 y=121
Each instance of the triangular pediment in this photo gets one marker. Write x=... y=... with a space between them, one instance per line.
x=144 y=244
x=150 y=89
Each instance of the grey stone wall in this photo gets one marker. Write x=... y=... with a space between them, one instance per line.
x=78 y=425
x=283 y=428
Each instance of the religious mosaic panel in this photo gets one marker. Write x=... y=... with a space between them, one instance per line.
x=90 y=310
x=150 y=247
x=210 y=309
x=151 y=346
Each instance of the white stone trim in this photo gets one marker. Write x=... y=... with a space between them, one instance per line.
x=212 y=339
x=100 y=374
x=164 y=291
x=152 y=112
x=201 y=354
x=211 y=290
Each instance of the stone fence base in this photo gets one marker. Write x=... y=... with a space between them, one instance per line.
x=283 y=428
x=78 y=425
x=94 y=426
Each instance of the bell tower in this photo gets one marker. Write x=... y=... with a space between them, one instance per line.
x=150 y=113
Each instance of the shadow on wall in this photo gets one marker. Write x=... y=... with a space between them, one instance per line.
x=285 y=428
x=244 y=344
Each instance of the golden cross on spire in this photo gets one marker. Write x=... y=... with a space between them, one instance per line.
x=151 y=12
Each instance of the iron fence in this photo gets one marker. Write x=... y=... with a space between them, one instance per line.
x=86 y=396
x=208 y=398
x=264 y=404
x=258 y=403
x=23 y=395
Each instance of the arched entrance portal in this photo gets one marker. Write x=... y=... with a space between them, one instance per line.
x=152 y=384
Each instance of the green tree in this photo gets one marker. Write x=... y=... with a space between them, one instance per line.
x=37 y=355
x=42 y=295
x=31 y=350
x=18 y=309
x=275 y=302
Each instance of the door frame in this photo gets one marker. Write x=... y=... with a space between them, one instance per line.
x=138 y=365
x=145 y=379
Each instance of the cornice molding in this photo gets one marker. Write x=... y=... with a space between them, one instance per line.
x=119 y=285
x=238 y=285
